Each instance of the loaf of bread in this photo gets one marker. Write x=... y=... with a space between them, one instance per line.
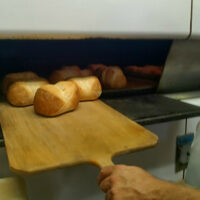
x=21 y=93
x=71 y=67
x=97 y=69
x=113 y=77
x=147 y=71
x=53 y=100
x=13 y=77
x=64 y=73
x=86 y=72
x=89 y=87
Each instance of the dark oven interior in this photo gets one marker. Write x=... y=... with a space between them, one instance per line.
x=146 y=58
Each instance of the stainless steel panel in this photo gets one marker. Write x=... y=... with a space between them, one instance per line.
x=182 y=67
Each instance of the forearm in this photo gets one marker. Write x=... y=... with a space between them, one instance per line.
x=132 y=183
x=174 y=191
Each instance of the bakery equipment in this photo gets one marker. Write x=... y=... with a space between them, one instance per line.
x=119 y=19
x=89 y=18
x=181 y=71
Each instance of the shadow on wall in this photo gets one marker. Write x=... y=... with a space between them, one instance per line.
x=42 y=56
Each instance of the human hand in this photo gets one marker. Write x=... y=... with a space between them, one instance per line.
x=122 y=182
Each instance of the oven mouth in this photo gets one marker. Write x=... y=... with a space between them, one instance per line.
x=45 y=56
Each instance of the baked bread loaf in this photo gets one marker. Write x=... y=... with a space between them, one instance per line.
x=71 y=67
x=21 y=93
x=13 y=77
x=52 y=100
x=86 y=72
x=94 y=67
x=97 y=69
x=89 y=87
x=113 y=77
x=147 y=71
x=64 y=73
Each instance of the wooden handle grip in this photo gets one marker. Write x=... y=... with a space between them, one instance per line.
x=103 y=162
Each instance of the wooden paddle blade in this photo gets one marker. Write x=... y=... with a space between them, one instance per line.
x=93 y=133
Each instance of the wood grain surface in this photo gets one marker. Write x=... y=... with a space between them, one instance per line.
x=92 y=133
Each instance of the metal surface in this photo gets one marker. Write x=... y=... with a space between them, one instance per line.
x=194 y=101
x=182 y=68
x=183 y=95
x=195 y=32
x=142 y=19
x=153 y=108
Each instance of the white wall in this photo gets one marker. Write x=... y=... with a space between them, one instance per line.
x=192 y=124
x=160 y=160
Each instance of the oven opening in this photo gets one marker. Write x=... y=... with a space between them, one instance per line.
x=140 y=61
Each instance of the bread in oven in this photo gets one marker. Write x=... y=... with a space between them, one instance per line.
x=113 y=77
x=147 y=71
x=97 y=69
x=86 y=72
x=64 y=73
x=19 y=76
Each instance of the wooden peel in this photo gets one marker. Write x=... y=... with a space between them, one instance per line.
x=93 y=133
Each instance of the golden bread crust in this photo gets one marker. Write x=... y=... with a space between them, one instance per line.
x=89 y=87
x=21 y=93
x=113 y=77
x=13 y=77
x=53 y=100
x=64 y=73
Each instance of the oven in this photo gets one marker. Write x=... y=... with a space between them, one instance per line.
x=155 y=54
x=142 y=101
